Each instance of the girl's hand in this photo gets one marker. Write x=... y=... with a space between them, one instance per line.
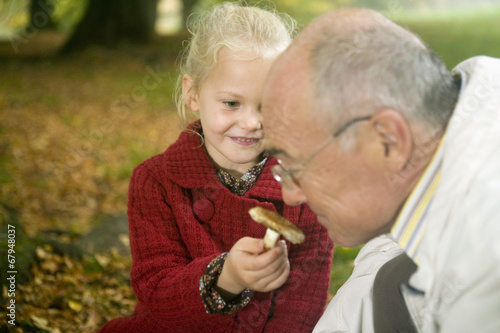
x=248 y=266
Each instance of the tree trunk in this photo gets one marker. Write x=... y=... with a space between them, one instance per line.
x=41 y=12
x=107 y=22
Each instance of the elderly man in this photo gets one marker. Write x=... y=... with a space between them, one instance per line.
x=377 y=136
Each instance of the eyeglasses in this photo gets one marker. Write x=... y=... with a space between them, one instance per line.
x=284 y=175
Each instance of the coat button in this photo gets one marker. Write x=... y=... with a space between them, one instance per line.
x=204 y=209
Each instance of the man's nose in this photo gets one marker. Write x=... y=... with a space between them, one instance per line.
x=294 y=196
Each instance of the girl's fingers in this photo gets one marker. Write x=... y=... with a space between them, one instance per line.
x=274 y=280
x=249 y=245
x=256 y=269
x=269 y=276
x=266 y=259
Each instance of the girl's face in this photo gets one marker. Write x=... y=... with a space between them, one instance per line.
x=229 y=102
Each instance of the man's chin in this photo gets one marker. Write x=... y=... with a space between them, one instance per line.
x=332 y=234
x=337 y=238
x=323 y=221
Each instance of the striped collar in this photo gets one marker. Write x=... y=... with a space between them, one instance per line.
x=411 y=222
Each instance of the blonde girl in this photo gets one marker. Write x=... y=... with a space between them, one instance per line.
x=199 y=263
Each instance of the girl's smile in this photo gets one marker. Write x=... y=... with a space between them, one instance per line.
x=244 y=141
x=228 y=103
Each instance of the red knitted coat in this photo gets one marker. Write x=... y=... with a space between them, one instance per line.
x=181 y=217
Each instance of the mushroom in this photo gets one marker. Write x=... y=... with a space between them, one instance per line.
x=276 y=226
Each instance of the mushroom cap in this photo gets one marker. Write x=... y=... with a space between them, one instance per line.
x=277 y=223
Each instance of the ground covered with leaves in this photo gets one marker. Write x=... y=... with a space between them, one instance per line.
x=69 y=295
x=71 y=131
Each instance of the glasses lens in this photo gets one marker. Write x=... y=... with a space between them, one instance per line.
x=282 y=176
x=277 y=173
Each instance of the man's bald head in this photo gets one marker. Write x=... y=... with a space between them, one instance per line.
x=354 y=72
x=347 y=21
x=358 y=61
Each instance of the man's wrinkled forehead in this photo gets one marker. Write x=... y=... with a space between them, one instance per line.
x=287 y=96
x=288 y=125
x=278 y=128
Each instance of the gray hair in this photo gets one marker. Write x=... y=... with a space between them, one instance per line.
x=359 y=70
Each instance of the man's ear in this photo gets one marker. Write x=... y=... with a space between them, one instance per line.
x=188 y=94
x=394 y=137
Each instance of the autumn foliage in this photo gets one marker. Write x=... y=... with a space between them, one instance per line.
x=71 y=132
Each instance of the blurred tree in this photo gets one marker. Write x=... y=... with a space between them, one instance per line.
x=187 y=7
x=305 y=11
x=41 y=14
x=302 y=11
x=106 y=22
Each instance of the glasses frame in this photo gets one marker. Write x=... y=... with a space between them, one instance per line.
x=284 y=176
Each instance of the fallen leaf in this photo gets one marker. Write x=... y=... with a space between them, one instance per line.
x=102 y=260
x=68 y=262
x=40 y=322
x=124 y=239
x=49 y=266
x=75 y=306
x=40 y=253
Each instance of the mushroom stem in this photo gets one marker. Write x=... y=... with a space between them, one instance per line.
x=270 y=239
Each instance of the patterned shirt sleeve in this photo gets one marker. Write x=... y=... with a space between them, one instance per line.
x=213 y=302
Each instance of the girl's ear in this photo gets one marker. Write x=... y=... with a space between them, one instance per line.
x=188 y=94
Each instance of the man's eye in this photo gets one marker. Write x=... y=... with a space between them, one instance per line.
x=231 y=104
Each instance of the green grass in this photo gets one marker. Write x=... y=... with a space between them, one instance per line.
x=457 y=35
x=343 y=264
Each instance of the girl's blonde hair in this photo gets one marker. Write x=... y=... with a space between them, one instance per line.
x=244 y=30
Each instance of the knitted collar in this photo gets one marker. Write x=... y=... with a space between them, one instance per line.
x=189 y=166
